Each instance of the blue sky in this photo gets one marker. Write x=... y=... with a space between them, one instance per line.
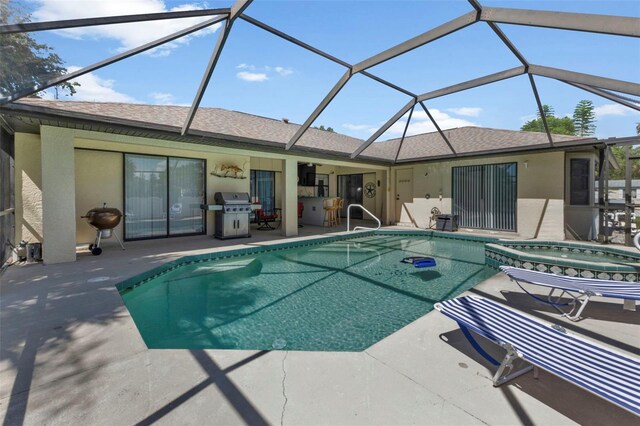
x=261 y=74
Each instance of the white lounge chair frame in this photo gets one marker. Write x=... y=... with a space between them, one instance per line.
x=580 y=290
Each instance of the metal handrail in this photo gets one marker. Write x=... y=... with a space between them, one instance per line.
x=7 y=211
x=360 y=227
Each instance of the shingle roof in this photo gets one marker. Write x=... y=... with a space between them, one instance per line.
x=233 y=125
x=467 y=140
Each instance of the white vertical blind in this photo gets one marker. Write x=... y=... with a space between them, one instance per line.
x=485 y=196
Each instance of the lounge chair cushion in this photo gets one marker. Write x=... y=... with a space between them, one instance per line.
x=612 y=375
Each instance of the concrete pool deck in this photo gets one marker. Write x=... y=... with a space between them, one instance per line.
x=71 y=354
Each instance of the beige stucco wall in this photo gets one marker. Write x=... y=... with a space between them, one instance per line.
x=28 y=188
x=58 y=194
x=540 y=192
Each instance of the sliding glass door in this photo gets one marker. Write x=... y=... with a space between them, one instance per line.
x=485 y=196
x=162 y=196
x=186 y=193
x=350 y=189
x=263 y=189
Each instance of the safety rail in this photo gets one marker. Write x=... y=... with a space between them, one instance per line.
x=360 y=227
x=7 y=211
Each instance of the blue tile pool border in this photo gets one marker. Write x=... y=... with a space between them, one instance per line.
x=139 y=279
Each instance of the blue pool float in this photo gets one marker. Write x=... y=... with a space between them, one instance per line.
x=420 y=262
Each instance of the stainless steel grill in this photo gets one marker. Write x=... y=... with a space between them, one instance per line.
x=232 y=219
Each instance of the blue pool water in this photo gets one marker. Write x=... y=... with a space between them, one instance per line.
x=339 y=296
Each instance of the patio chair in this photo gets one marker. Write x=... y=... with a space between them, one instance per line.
x=263 y=218
x=300 y=211
x=579 y=289
x=612 y=375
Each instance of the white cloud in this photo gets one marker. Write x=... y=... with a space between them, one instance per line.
x=128 y=35
x=95 y=89
x=165 y=98
x=420 y=123
x=261 y=73
x=527 y=118
x=613 y=109
x=466 y=111
x=367 y=128
x=252 y=76
x=284 y=71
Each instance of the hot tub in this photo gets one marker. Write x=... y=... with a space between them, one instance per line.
x=566 y=258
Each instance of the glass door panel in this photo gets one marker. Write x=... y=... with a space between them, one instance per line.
x=350 y=189
x=145 y=196
x=186 y=193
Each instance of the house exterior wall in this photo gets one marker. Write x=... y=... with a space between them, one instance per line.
x=109 y=185
x=540 y=192
x=98 y=181
x=58 y=194
x=95 y=175
x=28 y=191
x=98 y=178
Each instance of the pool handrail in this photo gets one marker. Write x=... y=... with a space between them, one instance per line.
x=360 y=227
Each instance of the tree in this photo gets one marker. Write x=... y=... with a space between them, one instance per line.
x=638 y=128
x=326 y=129
x=557 y=126
x=584 y=118
x=618 y=153
x=25 y=62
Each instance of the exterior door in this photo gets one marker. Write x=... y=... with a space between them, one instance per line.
x=404 y=190
x=350 y=189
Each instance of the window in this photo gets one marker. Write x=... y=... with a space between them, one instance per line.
x=162 y=196
x=263 y=184
x=485 y=196
x=579 y=176
x=322 y=185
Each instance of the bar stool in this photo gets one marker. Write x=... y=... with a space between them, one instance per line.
x=328 y=204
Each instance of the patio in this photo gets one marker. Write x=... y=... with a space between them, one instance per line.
x=73 y=354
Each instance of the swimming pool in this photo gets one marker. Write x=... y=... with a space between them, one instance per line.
x=341 y=295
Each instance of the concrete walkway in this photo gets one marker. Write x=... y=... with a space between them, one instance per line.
x=71 y=354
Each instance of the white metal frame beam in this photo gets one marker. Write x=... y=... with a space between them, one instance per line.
x=435 y=123
x=586 y=79
x=236 y=10
x=404 y=47
x=476 y=82
x=404 y=133
x=397 y=116
x=602 y=24
x=107 y=20
x=607 y=95
x=418 y=41
x=70 y=76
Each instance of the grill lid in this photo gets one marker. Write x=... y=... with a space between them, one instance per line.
x=232 y=198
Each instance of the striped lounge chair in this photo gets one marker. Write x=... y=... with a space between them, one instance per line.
x=602 y=371
x=580 y=289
